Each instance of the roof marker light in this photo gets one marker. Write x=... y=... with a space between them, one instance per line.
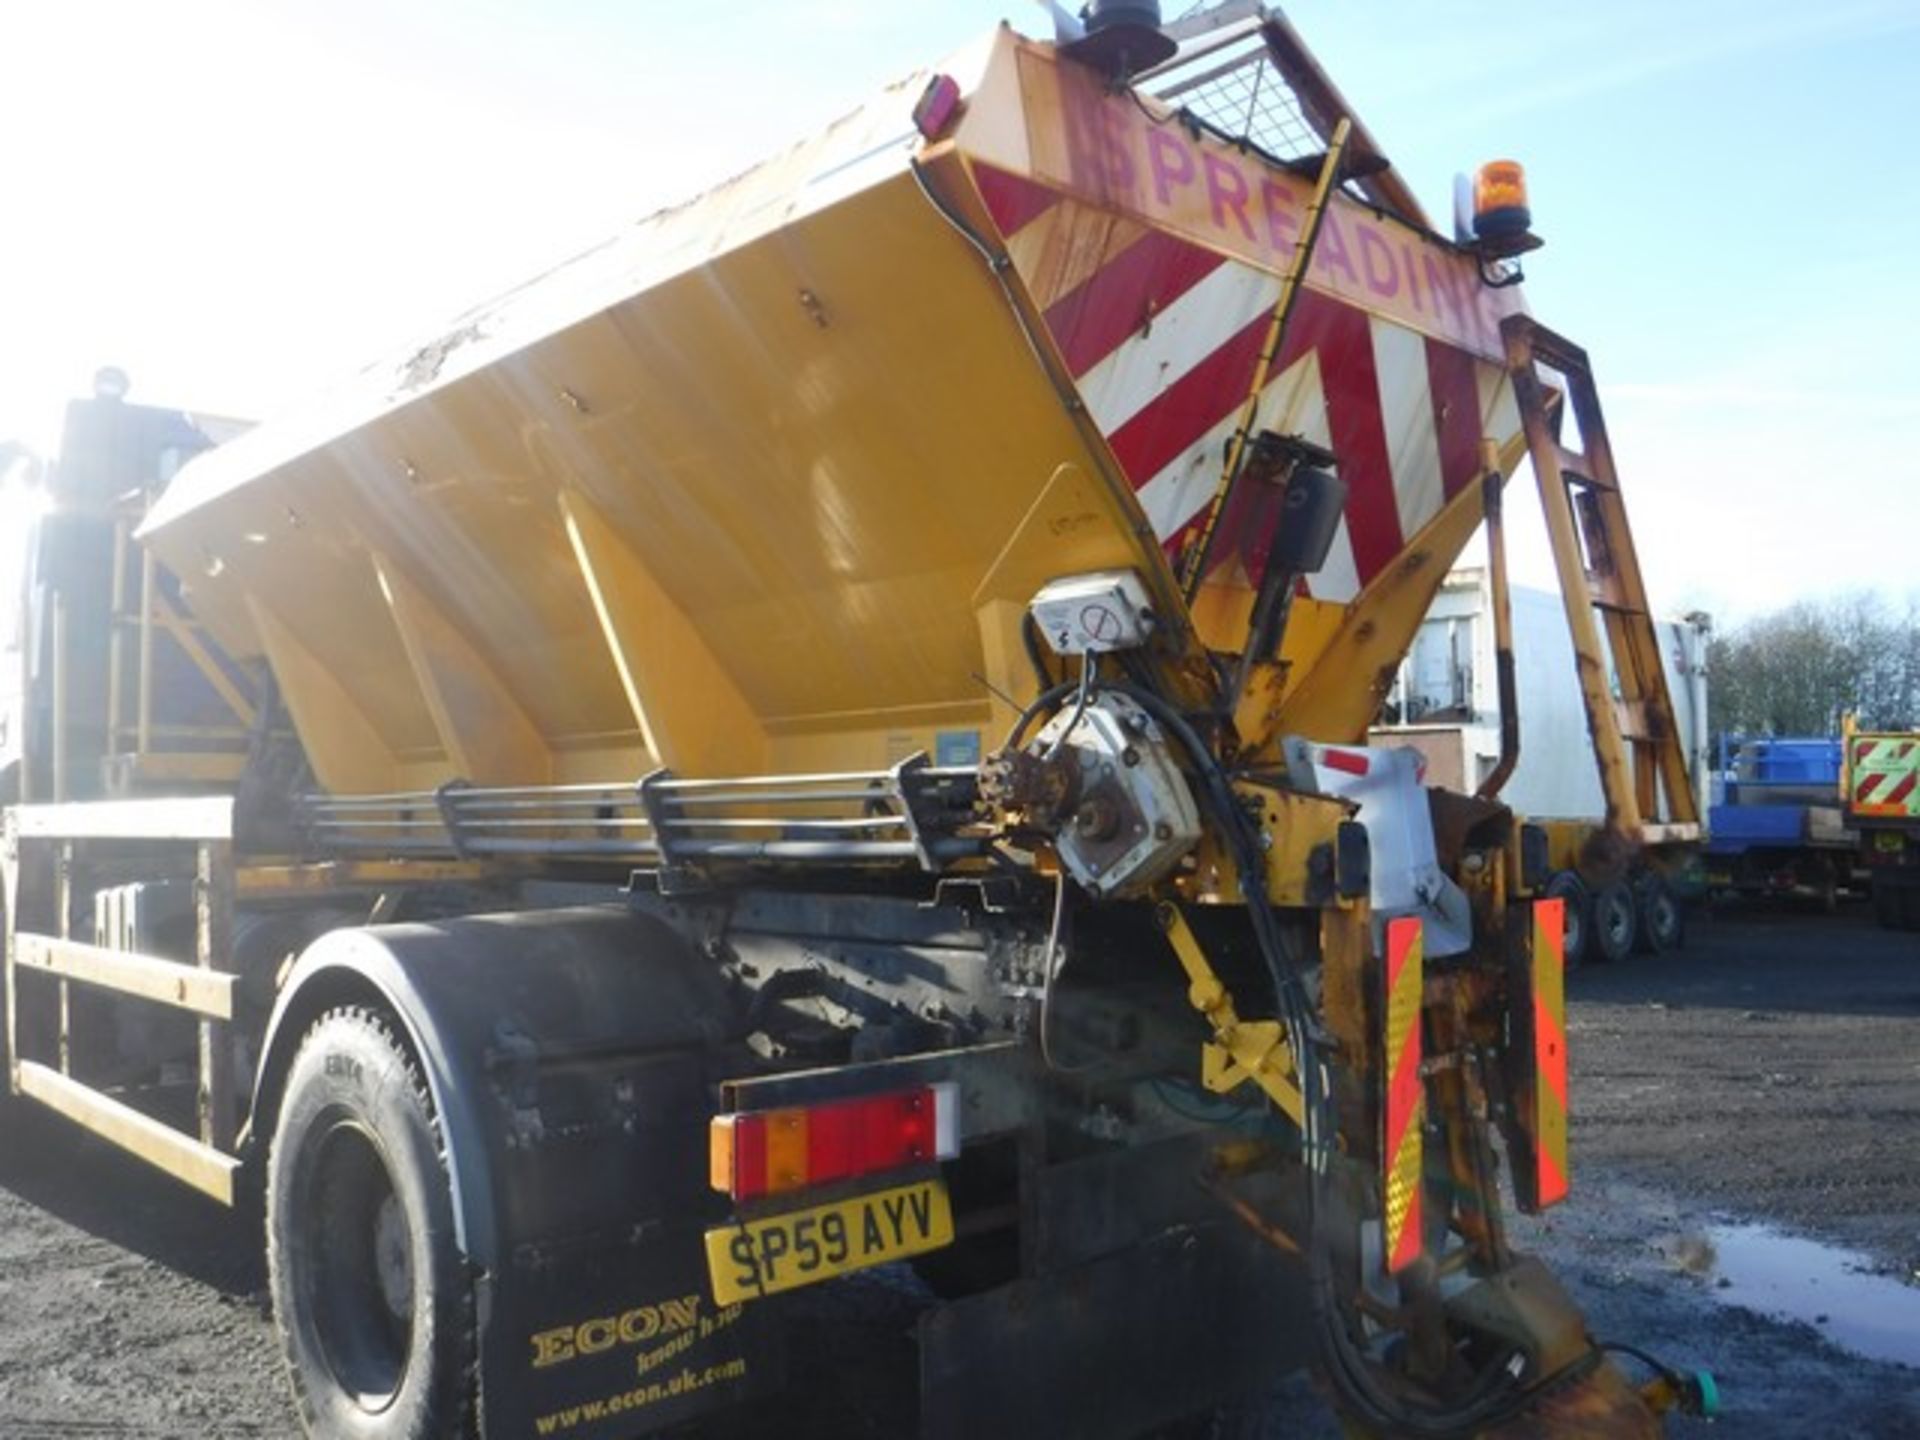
x=937 y=106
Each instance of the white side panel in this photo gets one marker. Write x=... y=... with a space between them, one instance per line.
x=1557 y=777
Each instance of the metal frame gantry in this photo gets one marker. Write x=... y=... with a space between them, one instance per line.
x=1642 y=757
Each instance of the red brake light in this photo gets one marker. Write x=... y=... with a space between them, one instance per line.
x=770 y=1152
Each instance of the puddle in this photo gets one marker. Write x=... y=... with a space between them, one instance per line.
x=1833 y=1290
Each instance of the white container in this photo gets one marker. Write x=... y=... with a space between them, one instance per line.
x=1446 y=699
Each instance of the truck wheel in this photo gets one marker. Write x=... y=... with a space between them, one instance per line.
x=1568 y=886
x=1615 y=922
x=369 y=1293
x=1663 y=924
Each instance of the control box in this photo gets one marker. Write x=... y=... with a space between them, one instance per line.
x=1094 y=614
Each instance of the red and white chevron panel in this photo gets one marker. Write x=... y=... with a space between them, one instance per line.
x=1162 y=336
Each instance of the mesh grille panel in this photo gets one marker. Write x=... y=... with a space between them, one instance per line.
x=1243 y=95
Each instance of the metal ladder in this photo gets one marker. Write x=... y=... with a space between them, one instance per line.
x=1642 y=756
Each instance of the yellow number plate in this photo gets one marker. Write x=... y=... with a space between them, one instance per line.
x=1889 y=840
x=784 y=1252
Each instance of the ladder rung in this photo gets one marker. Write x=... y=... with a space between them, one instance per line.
x=1632 y=715
x=1609 y=595
x=1559 y=353
x=1671 y=834
x=1575 y=466
x=1643 y=764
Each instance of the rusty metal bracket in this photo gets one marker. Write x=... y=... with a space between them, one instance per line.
x=1242 y=1051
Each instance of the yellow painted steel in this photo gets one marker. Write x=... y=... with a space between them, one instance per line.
x=758 y=486
x=1338 y=692
x=148 y=977
x=819 y=498
x=1242 y=1051
x=483 y=728
x=1296 y=826
x=1623 y=685
x=199 y=1165
x=272 y=881
x=180 y=629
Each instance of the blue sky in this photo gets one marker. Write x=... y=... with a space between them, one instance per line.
x=238 y=200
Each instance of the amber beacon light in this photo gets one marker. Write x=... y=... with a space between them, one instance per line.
x=1500 y=211
x=1499 y=227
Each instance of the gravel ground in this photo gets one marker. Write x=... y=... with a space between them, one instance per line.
x=1769 y=1073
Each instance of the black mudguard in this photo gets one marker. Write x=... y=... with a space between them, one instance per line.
x=572 y=1056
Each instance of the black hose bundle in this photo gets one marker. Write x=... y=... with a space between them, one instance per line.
x=1495 y=1394
x=1346 y=1367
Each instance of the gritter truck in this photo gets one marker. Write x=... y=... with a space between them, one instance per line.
x=1880 y=797
x=831 y=731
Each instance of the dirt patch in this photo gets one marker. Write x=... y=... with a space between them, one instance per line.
x=129 y=1306
x=1772 y=1067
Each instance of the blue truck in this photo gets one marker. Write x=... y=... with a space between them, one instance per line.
x=1776 y=825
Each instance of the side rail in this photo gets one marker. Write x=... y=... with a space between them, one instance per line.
x=63 y=867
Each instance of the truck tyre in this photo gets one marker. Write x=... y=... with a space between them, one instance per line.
x=1568 y=886
x=1616 y=921
x=1663 y=923
x=370 y=1295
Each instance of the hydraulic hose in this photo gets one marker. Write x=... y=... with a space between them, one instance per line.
x=1495 y=1394
x=1492 y=1396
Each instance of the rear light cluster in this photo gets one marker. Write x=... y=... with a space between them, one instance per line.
x=771 y=1152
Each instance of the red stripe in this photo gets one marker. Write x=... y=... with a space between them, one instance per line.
x=1012 y=200
x=1403 y=1092
x=1456 y=414
x=1344 y=338
x=1214 y=389
x=1118 y=300
x=1900 y=791
x=1550 y=1181
x=1192 y=405
x=1354 y=764
x=1400 y=937
x=1867 y=786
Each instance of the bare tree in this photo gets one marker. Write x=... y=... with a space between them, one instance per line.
x=1798 y=670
